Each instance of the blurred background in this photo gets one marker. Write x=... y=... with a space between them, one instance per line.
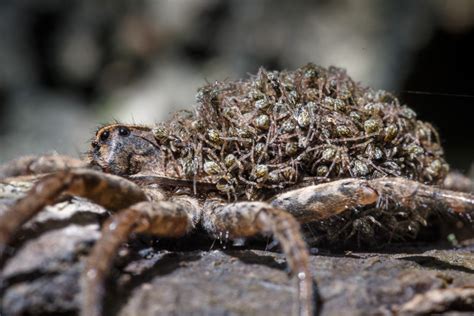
x=68 y=66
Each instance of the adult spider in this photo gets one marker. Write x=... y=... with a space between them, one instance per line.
x=262 y=155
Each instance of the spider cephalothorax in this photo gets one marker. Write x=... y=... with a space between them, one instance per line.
x=257 y=156
x=124 y=150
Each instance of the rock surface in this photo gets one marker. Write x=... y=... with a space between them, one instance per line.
x=201 y=278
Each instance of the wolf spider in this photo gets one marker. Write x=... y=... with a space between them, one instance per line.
x=127 y=173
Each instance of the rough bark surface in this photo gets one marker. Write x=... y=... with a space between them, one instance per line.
x=41 y=275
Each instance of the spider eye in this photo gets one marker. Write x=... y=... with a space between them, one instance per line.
x=123 y=131
x=104 y=136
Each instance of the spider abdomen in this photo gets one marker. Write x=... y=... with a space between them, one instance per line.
x=280 y=129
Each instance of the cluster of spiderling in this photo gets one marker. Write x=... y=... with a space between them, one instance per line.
x=279 y=129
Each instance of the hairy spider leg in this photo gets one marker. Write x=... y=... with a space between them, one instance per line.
x=245 y=219
x=32 y=165
x=172 y=218
x=318 y=202
x=407 y=193
x=110 y=191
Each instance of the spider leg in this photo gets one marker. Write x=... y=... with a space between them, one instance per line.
x=110 y=191
x=318 y=202
x=245 y=219
x=162 y=218
x=411 y=194
x=29 y=165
